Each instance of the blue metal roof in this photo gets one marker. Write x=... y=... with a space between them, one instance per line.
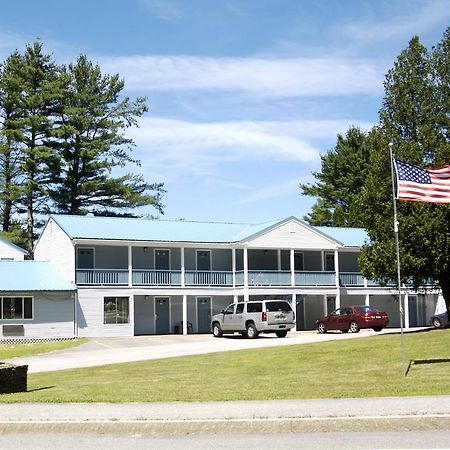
x=119 y=228
x=348 y=237
x=130 y=229
x=28 y=276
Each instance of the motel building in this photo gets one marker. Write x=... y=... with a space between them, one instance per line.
x=105 y=276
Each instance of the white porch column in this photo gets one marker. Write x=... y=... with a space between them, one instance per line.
x=338 y=284
x=246 y=296
x=324 y=305
x=130 y=265
x=406 y=306
x=131 y=312
x=233 y=265
x=279 y=260
x=292 y=265
x=183 y=270
x=367 y=301
x=185 y=314
x=294 y=308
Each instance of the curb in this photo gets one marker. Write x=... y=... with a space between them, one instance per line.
x=242 y=426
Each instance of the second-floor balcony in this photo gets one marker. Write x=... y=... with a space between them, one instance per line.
x=255 y=278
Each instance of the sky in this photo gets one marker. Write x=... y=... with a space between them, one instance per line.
x=244 y=95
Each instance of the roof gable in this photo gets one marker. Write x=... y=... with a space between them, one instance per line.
x=293 y=233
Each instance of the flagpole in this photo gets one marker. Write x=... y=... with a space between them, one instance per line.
x=397 y=251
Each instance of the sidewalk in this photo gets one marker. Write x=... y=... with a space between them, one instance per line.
x=393 y=413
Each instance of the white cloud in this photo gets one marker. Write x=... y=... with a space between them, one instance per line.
x=168 y=10
x=175 y=148
x=416 y=17
x=266 y=77
x=272 y=191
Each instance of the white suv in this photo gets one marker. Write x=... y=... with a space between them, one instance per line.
x=252 y=318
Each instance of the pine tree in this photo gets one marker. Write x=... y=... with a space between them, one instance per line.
x=91 y=144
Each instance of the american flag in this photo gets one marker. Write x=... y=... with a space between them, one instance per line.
x=422 y=185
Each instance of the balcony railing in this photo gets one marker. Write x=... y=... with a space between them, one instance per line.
x=151 y=277
x=351 y=279
x=269 y=278
x=156 y=277
x=102 y=277
x=308 y=278
x=208 y=278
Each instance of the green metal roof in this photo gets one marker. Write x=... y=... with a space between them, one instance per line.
x=29 y=276
x=130 y=229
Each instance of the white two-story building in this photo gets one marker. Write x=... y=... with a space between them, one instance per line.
x=139 y=276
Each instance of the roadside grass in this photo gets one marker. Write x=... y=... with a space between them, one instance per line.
x=8 y=351
x=368 y=367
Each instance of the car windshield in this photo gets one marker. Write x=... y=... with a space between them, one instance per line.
x=278 y=306
x=365 y=309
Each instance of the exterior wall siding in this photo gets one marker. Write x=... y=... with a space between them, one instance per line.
x=53 y=316
x=55 y=246
x=90 y=314
x=292 y=235
x=9 y=252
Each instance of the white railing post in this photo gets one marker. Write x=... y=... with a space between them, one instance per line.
x=130 y=265
x=183 y=270
x=233 y=263
x=246 y=294
x=185 y=330
x=338 y=288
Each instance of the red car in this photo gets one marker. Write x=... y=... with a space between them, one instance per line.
x=353 y=318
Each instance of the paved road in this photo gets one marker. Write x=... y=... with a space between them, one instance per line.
x=103 y=351
x=313 y=441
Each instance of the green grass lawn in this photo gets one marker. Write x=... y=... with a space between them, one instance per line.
x=8 y=351
x=368 y=367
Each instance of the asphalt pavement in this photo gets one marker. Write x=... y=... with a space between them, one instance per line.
x=315 y=415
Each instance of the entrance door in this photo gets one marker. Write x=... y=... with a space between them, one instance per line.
x=162 y=315
x=300 y=311
x=204 y=314
x=85 y=258
x=329 y=262
x=162 y=259
x=203 y=260
x=413 y=316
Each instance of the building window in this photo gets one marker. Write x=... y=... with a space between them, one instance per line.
x=14 y=308
x=116 y=310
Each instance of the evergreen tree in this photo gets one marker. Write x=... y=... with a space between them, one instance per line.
x=9 y=92
x=415 y=122
x=91 y=143
x=340 y=180
x=40 y=97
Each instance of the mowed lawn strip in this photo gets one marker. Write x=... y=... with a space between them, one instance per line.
x=8 y=351
x=368 y=367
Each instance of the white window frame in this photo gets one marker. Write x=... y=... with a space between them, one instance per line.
x=23 y=297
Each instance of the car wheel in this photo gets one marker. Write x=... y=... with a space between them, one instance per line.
x=377 y=328
x=321 y=328
x=217 y=331
x=354 y=327
x=437 y=322
x=281 y=334
x=252 y=332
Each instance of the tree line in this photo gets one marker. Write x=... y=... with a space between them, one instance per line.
x=354 y=187
x=63 y=147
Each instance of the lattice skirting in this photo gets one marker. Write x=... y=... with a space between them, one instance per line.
x=24 y=340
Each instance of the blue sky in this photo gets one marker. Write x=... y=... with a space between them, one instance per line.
x=244 y=95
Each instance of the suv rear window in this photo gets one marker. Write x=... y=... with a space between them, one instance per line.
x=254 y=307
x=278 y=306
